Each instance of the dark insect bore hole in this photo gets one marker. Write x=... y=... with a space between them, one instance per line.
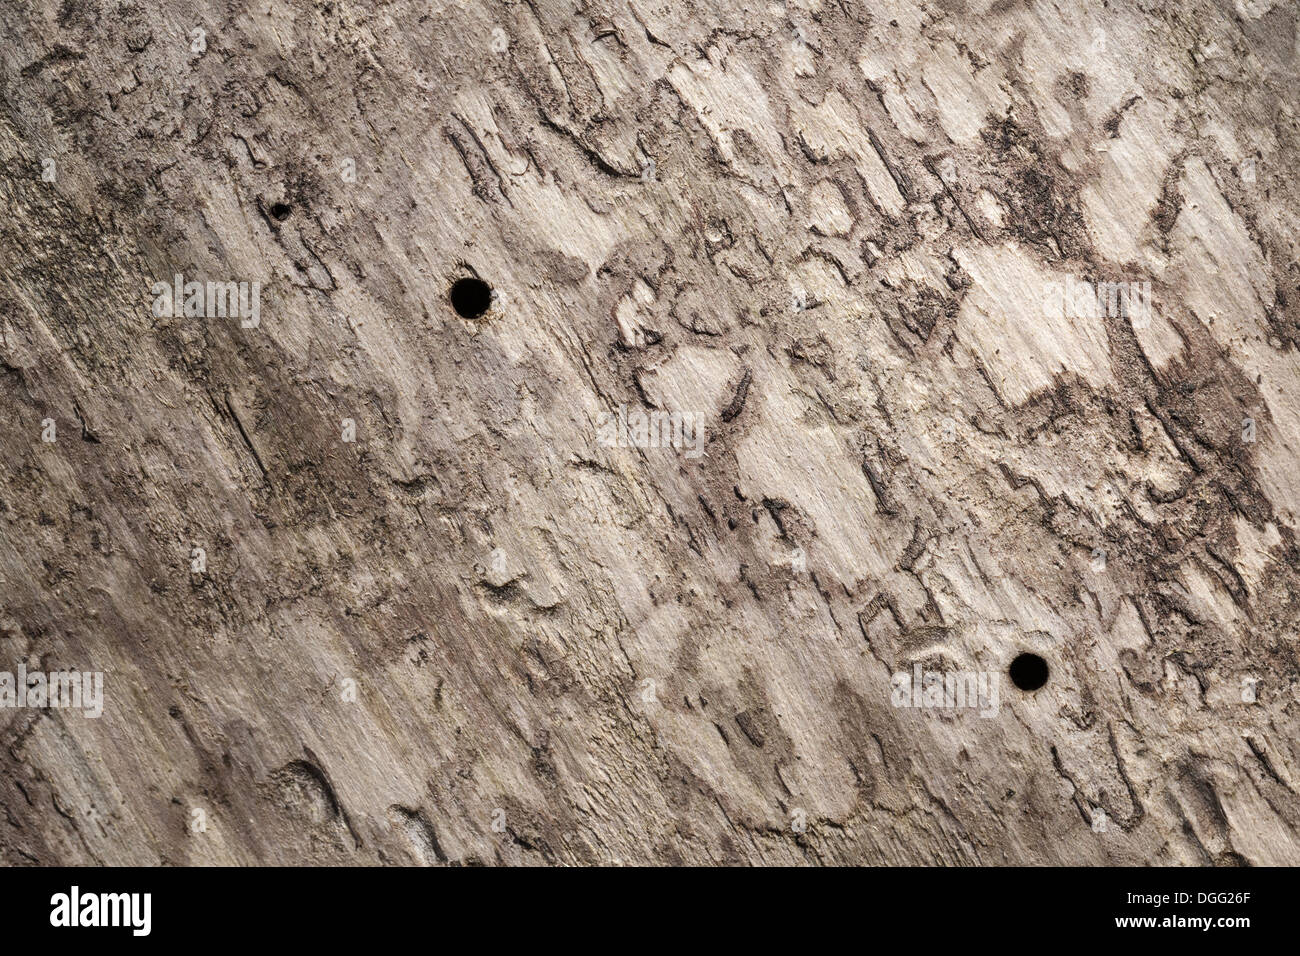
x=1028 y=671
x=280 y=211
x=470 y=297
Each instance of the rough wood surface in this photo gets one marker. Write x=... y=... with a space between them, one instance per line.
x=478 y=634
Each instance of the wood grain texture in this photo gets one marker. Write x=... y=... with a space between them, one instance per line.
x=824 y=228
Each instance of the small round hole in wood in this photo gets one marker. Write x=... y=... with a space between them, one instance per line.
x=1028 y=671
x=470 y=297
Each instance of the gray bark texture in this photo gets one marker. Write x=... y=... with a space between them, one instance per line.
x=367 y=584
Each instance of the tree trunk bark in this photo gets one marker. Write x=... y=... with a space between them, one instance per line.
x=830 y=346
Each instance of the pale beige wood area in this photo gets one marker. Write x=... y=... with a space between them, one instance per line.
x=478 y=634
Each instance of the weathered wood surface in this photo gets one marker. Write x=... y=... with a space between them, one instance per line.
x=827 y=228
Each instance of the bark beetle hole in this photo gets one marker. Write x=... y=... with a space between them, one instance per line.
x=1028 y=672
x=470 y=297
x=280 y=211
